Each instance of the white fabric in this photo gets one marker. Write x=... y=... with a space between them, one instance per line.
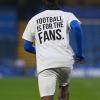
x=47 y=80
x=51 y=31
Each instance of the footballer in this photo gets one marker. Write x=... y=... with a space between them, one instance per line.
x=54 y=55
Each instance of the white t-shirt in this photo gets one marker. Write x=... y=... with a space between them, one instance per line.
x=50 y=31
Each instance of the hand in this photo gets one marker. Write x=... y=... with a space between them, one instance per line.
x=79 y=59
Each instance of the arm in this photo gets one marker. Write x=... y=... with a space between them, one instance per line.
x=76 y=28
x=28 y=46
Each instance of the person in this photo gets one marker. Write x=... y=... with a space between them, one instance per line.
x=55 y=58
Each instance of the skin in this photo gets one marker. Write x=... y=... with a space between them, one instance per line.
x=64 y=92
x=47 y=98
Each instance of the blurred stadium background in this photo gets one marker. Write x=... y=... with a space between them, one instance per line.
x=15 y=62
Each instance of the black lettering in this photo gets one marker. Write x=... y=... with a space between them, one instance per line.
x=47 y=26
x=39 y=28
x=54 y=19
x=46 y=36
x=58 y=37
x=47 y=19
x=51 y=19
x=44 y=20
x=58 y=24
x=61 y=24
x=50 y=26
x=40 y=37
x=52 y=34
x=60 y=18
x=44 y=25
x=39 y=21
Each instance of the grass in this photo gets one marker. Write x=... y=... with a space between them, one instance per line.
x=26 y=88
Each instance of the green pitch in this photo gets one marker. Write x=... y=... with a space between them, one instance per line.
x=27 y=89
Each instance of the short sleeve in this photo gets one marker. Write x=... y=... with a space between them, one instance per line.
x=71 y=18
x=27 y=35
